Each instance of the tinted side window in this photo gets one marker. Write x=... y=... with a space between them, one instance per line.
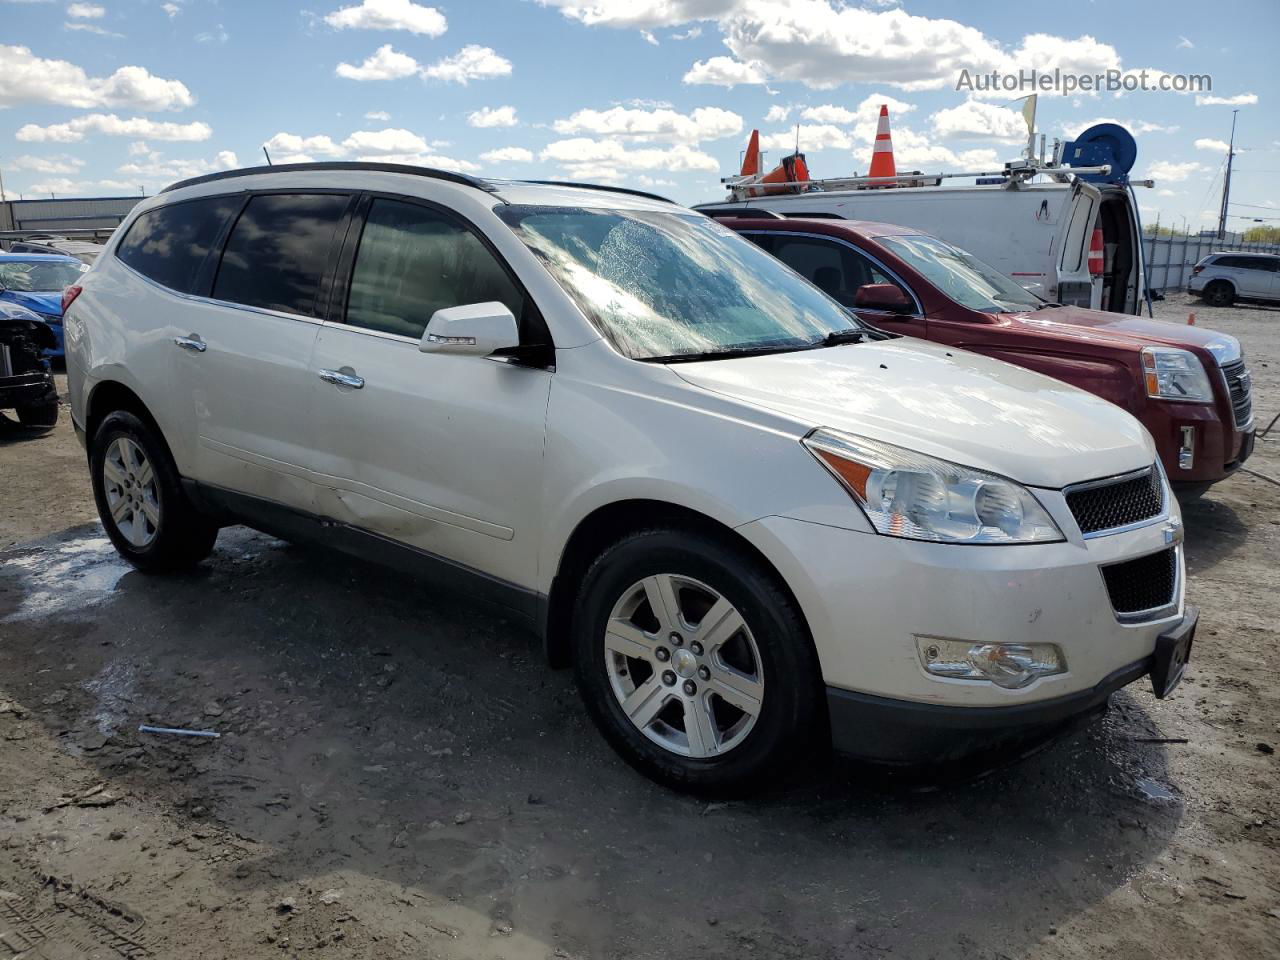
x=169 y=244
x=1242 y=263
x=835 y=269
x=413 y=261
x=277 y=250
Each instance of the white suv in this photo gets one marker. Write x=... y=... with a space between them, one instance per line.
x=1223 y=278
x=753 y=525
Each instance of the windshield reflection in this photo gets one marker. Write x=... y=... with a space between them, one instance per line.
x=662 y=285
x=960 y=275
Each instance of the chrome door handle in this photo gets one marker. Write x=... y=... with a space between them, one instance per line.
x=192 y=342
x=342 y=379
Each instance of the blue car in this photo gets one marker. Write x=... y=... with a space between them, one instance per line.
x=36 y=281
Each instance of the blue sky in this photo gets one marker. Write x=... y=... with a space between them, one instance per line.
x=108 y=96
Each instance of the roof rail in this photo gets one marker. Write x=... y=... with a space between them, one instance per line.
x=596 y=186
x=431 y=172
x=747 y=212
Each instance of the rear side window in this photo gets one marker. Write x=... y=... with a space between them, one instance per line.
x=169 y=244
x=413 y=261
x=276 y=253
x=1244 y=263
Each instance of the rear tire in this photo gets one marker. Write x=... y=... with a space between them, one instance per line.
x=140 y=498
x=41 y=417
x=1219 y=294
x=726 y=694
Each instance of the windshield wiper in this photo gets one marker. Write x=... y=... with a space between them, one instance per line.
x=728 y=352
x=852 y=335
x=1049 y=303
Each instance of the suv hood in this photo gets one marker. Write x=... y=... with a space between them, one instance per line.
x=1122 y=329
x=941 y=401
x=49 y=304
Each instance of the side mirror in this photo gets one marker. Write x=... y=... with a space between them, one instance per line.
x=883 y=296
x=474 y=329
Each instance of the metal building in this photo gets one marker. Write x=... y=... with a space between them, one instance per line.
x=69 y=217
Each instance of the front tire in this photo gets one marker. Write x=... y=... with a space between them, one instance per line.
x=140 y=499
x=695 y=663
x=1219 y=294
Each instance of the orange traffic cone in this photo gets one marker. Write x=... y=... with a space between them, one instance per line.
x=882 y=154
x=751 y=160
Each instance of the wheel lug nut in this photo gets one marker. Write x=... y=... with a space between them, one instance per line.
x=663 y=654
x=690 y=687
x=668 y=678
x=696 y=648
x=676 y=640
x=704 y=673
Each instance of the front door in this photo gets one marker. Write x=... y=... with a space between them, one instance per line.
x=437 y=451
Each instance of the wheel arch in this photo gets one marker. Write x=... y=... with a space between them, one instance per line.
x=608 y=524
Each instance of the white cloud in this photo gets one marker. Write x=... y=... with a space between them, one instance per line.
x=1239 y=100
x=64 y=186
x=57 y=163
x=389 y=15
x=507 y=155
x=641 y=14
x=649 y=37
x=172 y=9
x=1185 y=44
x=383 y=64
x=975 y=120
x=156 y=170
x=84 y=27
x=378 y=115
x=586 y=158
x=691 y=34
x=86 y=11
x=108 y=124
x=867 y=110
x=290 y=143
x=724 y=72
x=777 y=114
x=217 y=35
x=424 y=160
x=1074 y=128
x=139 y=148
x=26 y=78
x=813 y=136
x=492 y=117
x=390 y=140
x=1208 y=143
x=472 y=62
x=703 y=123
x=1170 y=172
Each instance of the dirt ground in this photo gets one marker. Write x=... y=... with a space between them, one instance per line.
x=400 y=775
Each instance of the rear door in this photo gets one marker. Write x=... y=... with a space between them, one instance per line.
x=248 y=348
x=1076 y=286
x=441 y=452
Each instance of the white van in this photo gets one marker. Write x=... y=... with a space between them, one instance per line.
x=1037 y=233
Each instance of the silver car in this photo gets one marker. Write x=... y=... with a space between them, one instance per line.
x=1223 y=278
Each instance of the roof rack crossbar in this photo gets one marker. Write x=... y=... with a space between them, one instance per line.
x=431 y=172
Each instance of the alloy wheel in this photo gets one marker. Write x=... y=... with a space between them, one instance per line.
x=684 y=666
x=133 y=498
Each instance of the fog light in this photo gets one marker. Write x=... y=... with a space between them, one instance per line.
x=1009 y=665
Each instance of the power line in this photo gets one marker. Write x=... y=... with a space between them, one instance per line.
x=1259 y=206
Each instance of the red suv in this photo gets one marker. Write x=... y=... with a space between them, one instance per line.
x=1189 y=386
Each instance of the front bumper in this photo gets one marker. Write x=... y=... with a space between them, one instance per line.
x=902 y=732
x=1218 y=448
x=27 y=389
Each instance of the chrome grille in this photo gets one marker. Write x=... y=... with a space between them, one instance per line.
x=1142 y=585
x=1239 y=385
x=1117 y=501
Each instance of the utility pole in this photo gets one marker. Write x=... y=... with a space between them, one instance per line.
x=1226 y=180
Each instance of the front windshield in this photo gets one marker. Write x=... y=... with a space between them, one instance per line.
x=39 y=276
x=961 y=275
x=668 y=285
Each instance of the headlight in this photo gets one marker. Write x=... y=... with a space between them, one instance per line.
x=912 y=495
x=1173 y=374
